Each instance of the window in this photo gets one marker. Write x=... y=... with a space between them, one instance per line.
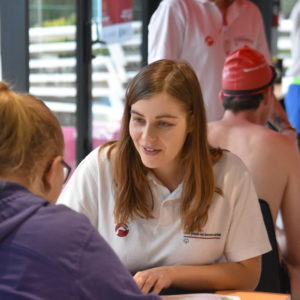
x=52 y=63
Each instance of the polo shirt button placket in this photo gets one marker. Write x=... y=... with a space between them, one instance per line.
x=186 y=240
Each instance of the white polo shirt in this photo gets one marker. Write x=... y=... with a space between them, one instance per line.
x=235 y=230
x=193 y=30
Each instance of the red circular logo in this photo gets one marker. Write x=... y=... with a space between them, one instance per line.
x=209 y=40
x=121 y=230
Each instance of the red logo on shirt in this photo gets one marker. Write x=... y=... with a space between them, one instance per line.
x=209 y=40
x=121 y=230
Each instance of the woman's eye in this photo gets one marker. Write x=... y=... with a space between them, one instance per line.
x=164 y=124
x=138 y=120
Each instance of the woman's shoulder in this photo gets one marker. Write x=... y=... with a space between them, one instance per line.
x=229 y=162
x=107 y=153
x=100 y=154
x=91 y=157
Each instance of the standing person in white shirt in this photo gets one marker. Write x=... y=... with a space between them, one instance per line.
x=178 y=212
x=203 y=33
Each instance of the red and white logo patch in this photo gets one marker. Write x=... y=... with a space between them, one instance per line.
x=209 y=40
x=121 y=230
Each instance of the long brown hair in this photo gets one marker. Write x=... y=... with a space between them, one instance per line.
x=30 y=134
x=132 y=191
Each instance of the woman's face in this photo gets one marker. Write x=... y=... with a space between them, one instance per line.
x=158 y=128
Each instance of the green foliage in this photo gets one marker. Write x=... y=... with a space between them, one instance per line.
x=62 y=21
x=101 y=52
x=43 y=13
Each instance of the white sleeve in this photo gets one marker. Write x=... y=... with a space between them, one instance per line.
x=81 y=191
x=166 y=31
x=247 y=235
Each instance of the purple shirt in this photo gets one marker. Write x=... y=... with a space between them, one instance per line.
x=51 y=252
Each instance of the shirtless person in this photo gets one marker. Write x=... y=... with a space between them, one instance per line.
x=271 y=157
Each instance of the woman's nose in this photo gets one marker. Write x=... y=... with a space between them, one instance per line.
x=149 y=133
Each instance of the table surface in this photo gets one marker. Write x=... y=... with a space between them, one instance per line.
x=255 y=295
x=242 y=295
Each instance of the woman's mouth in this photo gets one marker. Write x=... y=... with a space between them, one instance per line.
x=149 y=150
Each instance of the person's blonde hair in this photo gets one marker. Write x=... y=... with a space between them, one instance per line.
x=29 y=133
x=133 y=196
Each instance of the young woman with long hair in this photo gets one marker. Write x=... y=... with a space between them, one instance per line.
x=178 y=212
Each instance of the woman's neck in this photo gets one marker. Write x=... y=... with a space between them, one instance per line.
x=16 y=179
x=32 y=185
x=170 y=178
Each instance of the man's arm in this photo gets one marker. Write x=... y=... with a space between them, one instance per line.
x=290 y=214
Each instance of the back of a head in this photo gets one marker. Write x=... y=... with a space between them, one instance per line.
x=246 y=76
x=30 y=135
x=246 y=72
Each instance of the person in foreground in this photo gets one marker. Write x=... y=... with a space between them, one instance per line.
x=47 y=251
x=271 y=157
x=178 y=212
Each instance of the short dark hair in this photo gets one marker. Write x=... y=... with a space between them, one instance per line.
x=239 y=103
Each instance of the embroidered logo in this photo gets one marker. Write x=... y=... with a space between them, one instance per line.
x=121 y=230
x=203 y=236
x=209 y=40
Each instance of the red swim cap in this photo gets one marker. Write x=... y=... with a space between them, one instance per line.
x=246 y=72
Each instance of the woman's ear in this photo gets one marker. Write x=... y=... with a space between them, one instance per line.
x=52 y=179
x=51 y=172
